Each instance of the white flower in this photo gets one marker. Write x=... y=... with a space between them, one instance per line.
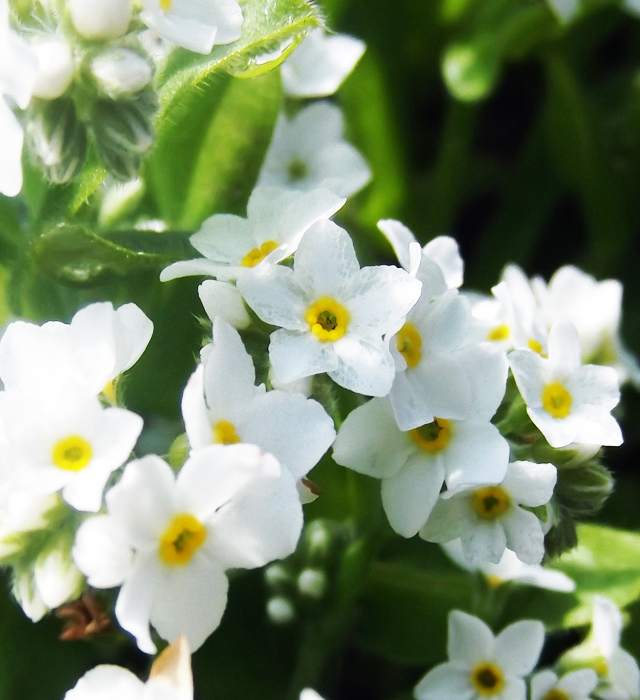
x=276 y=221
x=568 y=401
x=87 y=355
x=489 y=519
x=310 y=694
x=483 y=666
x=442 y=250
x=18 y=70
x=438 y=372
x=121 y=72
x=222 y=405
x=223 y=300
x=414 y=465
x=231 y=506
x=69 y=443
x=170 y=679
x=577 y=685
x=565 y=10
x=100 y=20
x=510 y=568
x=332 y=314
x=309 y=151
x=595 y=309
x=320 y=64
x=56 y=68
x=196 y=26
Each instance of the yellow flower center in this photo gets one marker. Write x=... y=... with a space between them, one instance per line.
x=494 y=581
x=409 y=344
x=328 y=320
x=165 y=5
x=499 y=332
x=257 y=255
x=72 y=454
x=487 y=679
x=490 y=502
x=181 y=539
x=556 y=694
x=224 y=433
x=433 y=437
x=535 y=345
x=556 y=400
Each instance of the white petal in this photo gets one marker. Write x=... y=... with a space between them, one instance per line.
x=524 y=535
x=595 y=386
x=365 y=366
x=409 y=496
x=607 y=625
x=445 y=682
x=580 y=683
x=106 y=682
x=133 y=333
x=485 y=542
x=297 y=355
x=486 y=369
x=194 y=411
x=57 y=579
x=542 y=682
x=624 y=673
x=444 y=251
x=447 y=521
x=102 y=552
x=515 y=689
x=565 y=353
x=222 y=299
x=444 y=323
x=527 y=368
x=518 y=647
x=197 y=266
x=400 y=238
x=529 y=483
x=469 y=640
x=11 y=139
x=190 y=600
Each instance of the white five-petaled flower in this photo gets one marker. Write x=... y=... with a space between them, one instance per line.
x=414 y=465
x=169 y=540
x=482 y=666
x=276 y=221
x=196 y=26
x=577 y=685
x=568 y=401
x=490 y=518
x=510 y=568
x=86 y=355
x=18 y=72
x=309 y=151
x=222 y=405
x=67 y=443
x=170 y=679
x=332 y=314
x=320 y=64
x=438 y=372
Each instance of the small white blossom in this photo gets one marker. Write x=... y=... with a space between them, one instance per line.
x=333 y=315
x=414 y=465
x=490 y=518
x=120 y=72
x=483 y=666
x=276 y=221
x=56 y=68
x=100 y=20
x=320 y=64
x=577 y=685
x=169 y=540
x=223 y=300
x=309 y=151
x=568 y=401
x=196 y=26
x=222 y=405
x=510 y=568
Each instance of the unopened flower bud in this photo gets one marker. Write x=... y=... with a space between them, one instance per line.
x=280 y=610
x=56 y=68
x=312 y=583
x=276 y=575
x=179 y=451
x=318 y=537
x=100 y=20
x=120 y=72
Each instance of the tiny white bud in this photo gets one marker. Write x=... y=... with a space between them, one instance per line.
x=121 y=72
x=276 y=575
x=56 y=68
x=312 y=583
x=280 y=611
x=101 y=20
x=318 y=536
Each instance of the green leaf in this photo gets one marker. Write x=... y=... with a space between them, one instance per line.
x=270 y=31
x=73 y=253
x=210 y=148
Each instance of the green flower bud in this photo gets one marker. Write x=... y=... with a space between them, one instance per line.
x=58 y=138
x=280 y=610
x=583 y=490
x=124 y=133
x=179 y=451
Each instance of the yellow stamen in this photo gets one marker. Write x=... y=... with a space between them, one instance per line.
x=487 y=679
x=72 y=454
x=328 y=320
x=224 y=433
x=601 y=668
x=494 y=581
x=433 y=437
x=490 y=502
x=499 y=332
x=535 y=345
x=409 y=344
x=556 y=400
x=257 y=255
x=556 y=694
x=110 y=391
x=181 y=539
x=165 y=5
